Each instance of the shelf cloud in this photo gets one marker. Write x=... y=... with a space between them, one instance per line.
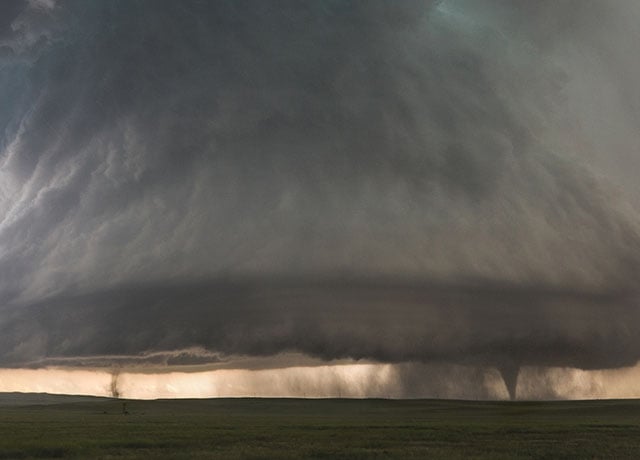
x=448 y=182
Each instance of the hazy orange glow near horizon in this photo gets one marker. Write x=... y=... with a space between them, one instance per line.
x=341 y=380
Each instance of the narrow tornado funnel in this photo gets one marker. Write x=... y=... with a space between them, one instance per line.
x=509 y=372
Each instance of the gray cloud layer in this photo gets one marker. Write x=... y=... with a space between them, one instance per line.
x=203 y=174
x=372 y=319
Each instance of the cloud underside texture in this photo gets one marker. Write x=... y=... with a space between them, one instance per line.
x=334 y=319
x=396 y=181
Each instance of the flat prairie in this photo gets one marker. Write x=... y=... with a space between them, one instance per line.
x=45 y=426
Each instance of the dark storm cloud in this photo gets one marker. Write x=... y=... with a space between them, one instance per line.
x=9 y=10
x=167 y=167
x=477 y=323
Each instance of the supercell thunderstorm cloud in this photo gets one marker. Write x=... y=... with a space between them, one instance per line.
x=440 y=192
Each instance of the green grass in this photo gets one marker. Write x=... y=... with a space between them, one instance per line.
x=321 y=429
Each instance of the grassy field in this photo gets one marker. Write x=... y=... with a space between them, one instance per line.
x=318 y=429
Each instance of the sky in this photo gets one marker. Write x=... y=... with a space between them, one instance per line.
x=410 y=198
